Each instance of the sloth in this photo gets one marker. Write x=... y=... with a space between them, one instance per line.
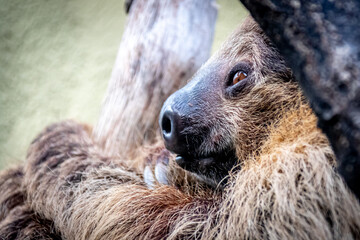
x=241 y=158
x=223 y=115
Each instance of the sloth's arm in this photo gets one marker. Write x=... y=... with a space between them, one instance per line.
x=17 y=220
x=90 y=196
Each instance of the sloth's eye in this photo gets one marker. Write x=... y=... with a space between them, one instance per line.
x=238 y=78
x=239 y=75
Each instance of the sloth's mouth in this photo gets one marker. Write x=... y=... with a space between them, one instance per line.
x=214 y=166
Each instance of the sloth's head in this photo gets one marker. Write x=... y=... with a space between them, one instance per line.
x=222 y=116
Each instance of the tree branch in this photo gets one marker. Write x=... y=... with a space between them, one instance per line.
x=164 y=43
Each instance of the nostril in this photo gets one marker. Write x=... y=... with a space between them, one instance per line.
x=166 y=125
x=171 y=126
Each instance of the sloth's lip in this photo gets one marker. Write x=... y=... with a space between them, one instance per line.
x=215 y=166
x=185 y=161
x=202 y=162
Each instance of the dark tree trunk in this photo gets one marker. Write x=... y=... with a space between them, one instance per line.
x=320 y=40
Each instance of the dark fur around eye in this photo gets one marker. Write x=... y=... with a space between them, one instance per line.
x=233 y=91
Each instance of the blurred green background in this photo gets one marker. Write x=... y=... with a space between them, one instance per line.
x=55 y=62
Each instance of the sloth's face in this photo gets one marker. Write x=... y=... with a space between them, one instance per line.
x=222 y=115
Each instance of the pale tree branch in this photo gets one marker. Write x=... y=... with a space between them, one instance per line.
x=164 y=43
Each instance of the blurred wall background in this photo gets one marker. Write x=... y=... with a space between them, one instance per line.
x=55 y=62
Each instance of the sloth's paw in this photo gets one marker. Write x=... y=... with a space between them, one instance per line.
x=156 y=170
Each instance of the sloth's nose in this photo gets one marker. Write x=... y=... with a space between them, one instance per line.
x=171 y=128
x=168 y=124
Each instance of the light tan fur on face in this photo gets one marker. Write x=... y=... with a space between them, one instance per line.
x=287 y=187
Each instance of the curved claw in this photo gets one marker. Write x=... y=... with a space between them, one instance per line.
x=149 y=178
x=161 y=173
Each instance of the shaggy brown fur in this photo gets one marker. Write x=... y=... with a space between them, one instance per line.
x=286 y=189
x=17 y=220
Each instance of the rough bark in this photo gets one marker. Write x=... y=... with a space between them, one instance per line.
x=164 y=43
x=320 y=42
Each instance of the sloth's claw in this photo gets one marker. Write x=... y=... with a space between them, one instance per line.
x=149 y=178
x=161 y=173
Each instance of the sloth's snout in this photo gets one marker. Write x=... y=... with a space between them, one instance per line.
x=183 y=117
